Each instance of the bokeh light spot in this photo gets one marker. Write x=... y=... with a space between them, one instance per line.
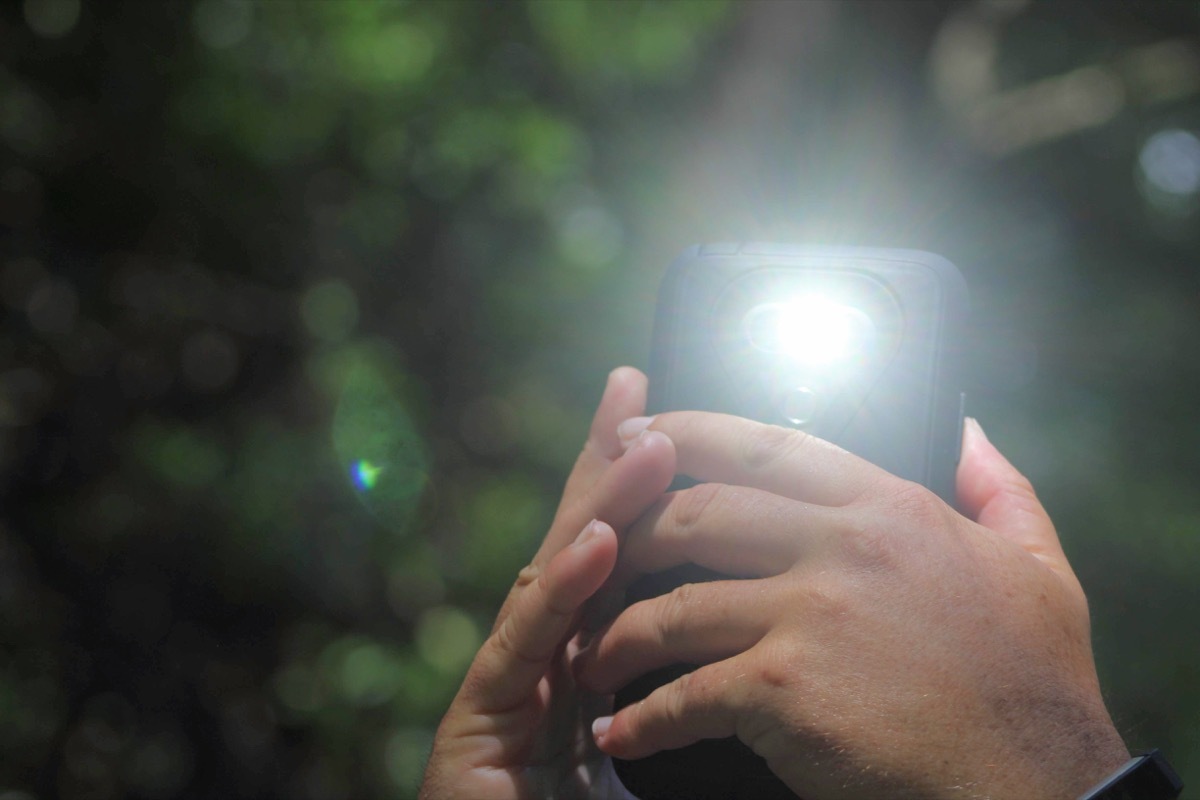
x=209 y=360
x=24 y=394
x=299 y=689
x=405 y=755
x=328 y=193
x=395 y=53
x=52 y=307
x=415 y=581
x=89 y=349
x=143 y=375
x=18 y=280
x=503 y=516
x=21 y=197
x=489 y=426
x=112 y=511
x=248 y=724
x=27 y=122
x=549 y=146
x=139 y=611
x=109 y=722
x=447 y=638
x=590 y=237
x=1170 y=162
x=222 y=23
x=368 y=675
x=51 y=19
x=386 y=154
x=661 y=46
x=330 y=310
x=160 y=764
x=182 y=456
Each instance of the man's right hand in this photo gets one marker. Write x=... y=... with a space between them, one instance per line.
x=881 y=645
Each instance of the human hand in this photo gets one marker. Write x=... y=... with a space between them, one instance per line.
x=518 y=727
x=881 y=645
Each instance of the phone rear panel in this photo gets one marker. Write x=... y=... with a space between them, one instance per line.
x=874 y=369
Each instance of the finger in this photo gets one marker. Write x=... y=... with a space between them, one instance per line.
x=695 y=623
x=993 y=493
x=718 y=448
x=513 y=660
x=700 y=705
x=619 y=496
x=733 y=530
x=624 y=396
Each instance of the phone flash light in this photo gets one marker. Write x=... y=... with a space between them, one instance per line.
x=813 y=330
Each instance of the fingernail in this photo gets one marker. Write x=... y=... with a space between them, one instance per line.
x=589 y=530
x=600 y=728
x=629 y=430
x=974 y=423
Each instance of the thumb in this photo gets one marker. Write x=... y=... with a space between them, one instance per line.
x=993 y=493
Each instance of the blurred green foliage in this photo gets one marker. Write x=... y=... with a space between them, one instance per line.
x=307 y=305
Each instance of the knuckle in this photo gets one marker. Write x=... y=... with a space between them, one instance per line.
x=691 y=505
x=683 y=694
x=550 y=596
x=916 y=503
x=681 y=427
x=1078 y=599
x=672 y=611
x=681 y=424
x=1016 y=483
x=527 y=575
x=871 y=545
x=474 y=684
x=830 y=600
x=880 y=537
x=506 y=642
x=778 y=665
x=867 y=539
x=503 y=636
x=770 y=445
x=1020 y=489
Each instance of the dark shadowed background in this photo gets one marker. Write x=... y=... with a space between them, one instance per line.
x=306 y=305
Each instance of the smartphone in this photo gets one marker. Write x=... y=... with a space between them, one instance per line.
x=858 y=346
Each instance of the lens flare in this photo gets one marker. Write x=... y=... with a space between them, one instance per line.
x=379 y=446
x=364 y=474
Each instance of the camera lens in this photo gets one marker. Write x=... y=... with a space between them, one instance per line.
x=762 y=324
x=799 y=406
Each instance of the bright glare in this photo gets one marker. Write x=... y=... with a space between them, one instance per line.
x=812 y=329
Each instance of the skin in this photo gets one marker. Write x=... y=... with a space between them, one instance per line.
x=878 y=645
x=519 y=727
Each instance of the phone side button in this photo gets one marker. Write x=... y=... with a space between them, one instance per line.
x=962 y=420
x=719 y=249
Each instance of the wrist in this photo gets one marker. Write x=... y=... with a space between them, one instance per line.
x=1144 y=777
x=1062 y=764
x=1104 y=764
x=1086 y=759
